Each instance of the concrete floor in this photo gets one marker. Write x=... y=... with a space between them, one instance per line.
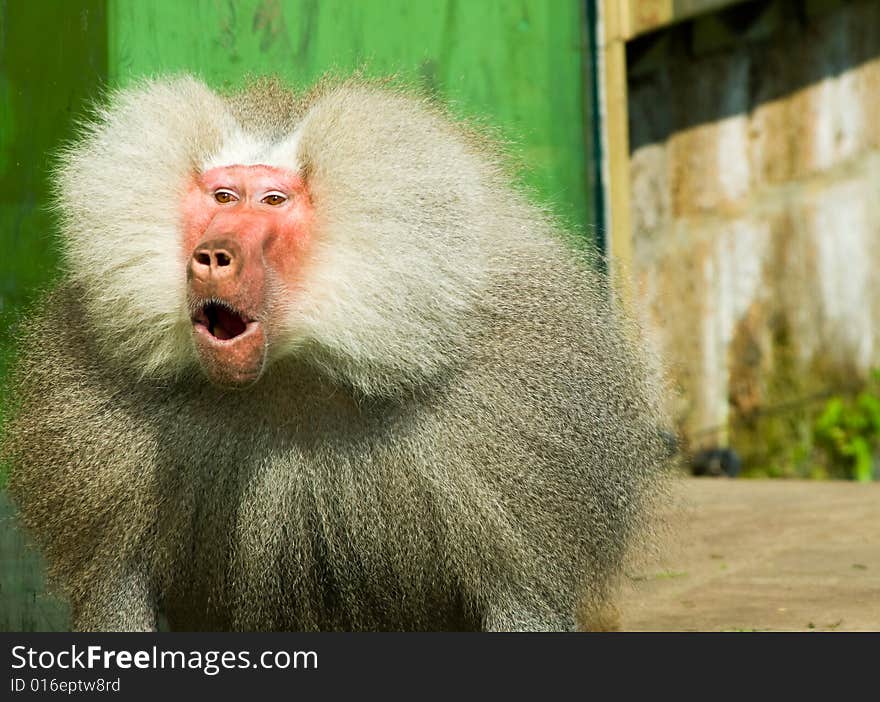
x=763 y=555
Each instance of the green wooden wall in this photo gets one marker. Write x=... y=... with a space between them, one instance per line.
x=521 y=67
x=53 y=60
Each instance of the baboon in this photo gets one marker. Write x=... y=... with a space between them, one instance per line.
x=314 y=363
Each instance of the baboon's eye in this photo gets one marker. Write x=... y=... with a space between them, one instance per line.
x=224 y=196
x=274 y=199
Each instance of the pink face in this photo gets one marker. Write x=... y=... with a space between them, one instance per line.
x=245 y=230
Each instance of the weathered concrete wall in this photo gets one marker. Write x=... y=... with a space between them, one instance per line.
x=755 y=139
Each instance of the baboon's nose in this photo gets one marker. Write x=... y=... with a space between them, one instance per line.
x=215 y=260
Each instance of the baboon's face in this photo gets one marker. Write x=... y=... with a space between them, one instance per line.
x=348 y=237
x=245 y=237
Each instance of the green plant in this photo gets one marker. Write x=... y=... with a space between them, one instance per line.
x=848 y=430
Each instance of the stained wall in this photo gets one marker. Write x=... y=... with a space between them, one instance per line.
x=755 y=166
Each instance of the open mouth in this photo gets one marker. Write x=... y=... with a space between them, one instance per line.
x=222 y=321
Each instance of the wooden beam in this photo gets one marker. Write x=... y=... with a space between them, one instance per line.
x=612 y=32
x=647 y=15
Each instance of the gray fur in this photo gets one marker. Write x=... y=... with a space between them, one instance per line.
x=498 y=482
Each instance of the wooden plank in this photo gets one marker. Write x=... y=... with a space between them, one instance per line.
x=615 y=127
x=647 y=15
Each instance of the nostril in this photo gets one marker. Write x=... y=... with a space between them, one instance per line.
x=215 y=258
